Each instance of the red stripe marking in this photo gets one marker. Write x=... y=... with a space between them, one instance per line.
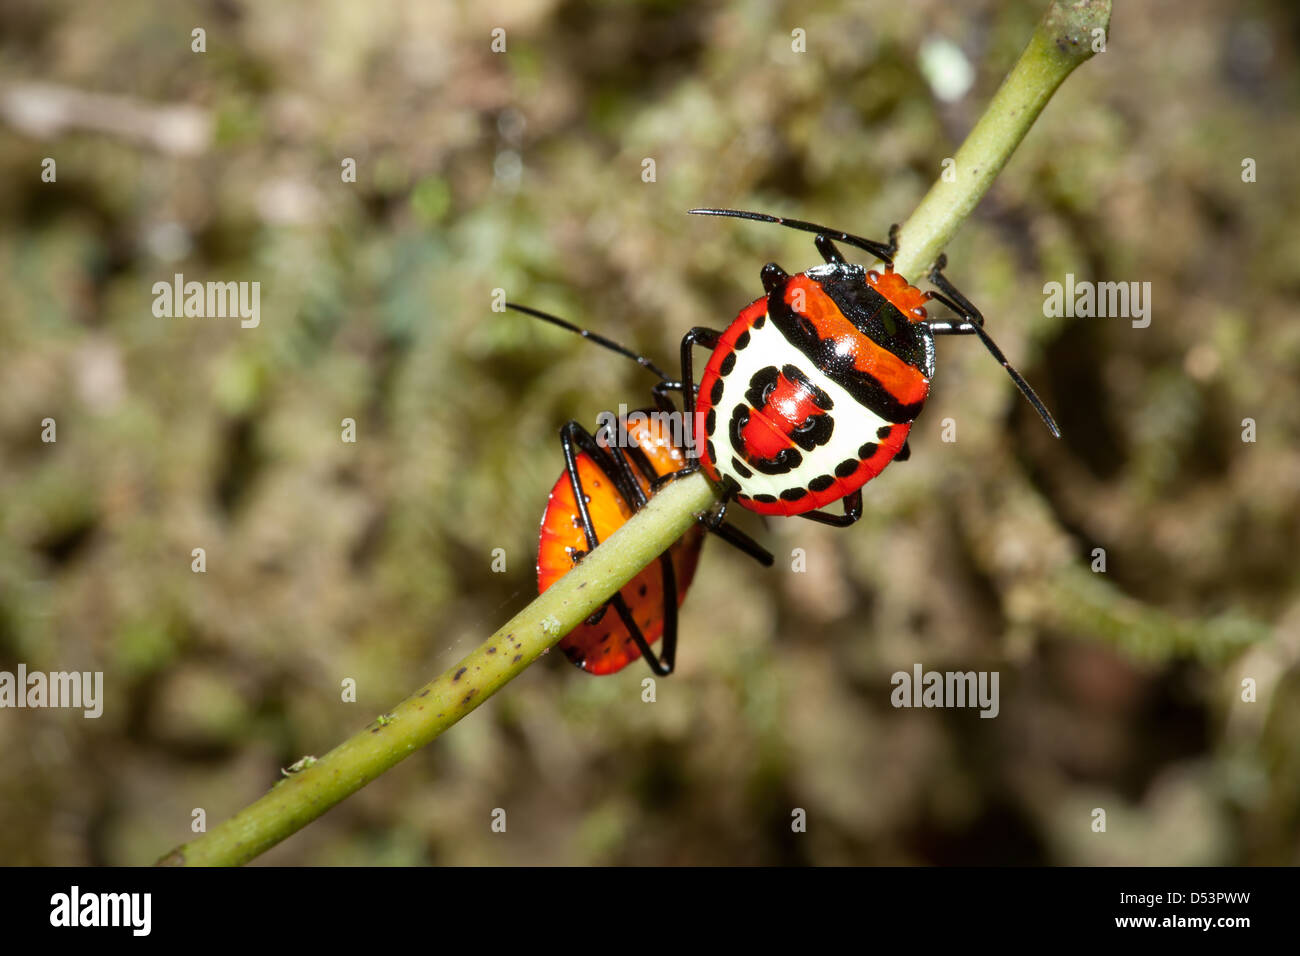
x=904 y=382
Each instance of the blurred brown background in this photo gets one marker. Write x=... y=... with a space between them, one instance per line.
x=522 y=170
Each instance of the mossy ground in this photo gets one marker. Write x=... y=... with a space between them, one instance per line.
x=523 y=170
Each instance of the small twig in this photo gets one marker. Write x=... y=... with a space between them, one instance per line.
x=1061 y=42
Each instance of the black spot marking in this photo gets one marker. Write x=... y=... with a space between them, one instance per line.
x=847 y=467
x=642 y=591
x=710 y=422
x=765 y=499
x=867 y=450
x=739 y=468
x=813 y=431
x=760 y=321
x=742 y=341
x=709 y=450
x=761 y=386
x=715 y=395
x=793 y=494
x=459 y=672
x=821 y=483
x=728 y=363
x=884 y=431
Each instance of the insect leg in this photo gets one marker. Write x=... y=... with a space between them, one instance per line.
x=852 y=512
x=708 y=338
x=832 y=255
x=743 y=542
x=575 y=438
x=972 y=323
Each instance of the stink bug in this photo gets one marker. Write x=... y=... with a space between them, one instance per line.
x=812 y=389
x=608 y=477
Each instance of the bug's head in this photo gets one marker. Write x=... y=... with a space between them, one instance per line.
x=900 y=293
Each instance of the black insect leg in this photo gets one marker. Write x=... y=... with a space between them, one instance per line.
x=628 y=484
x=575 y=438
x=663 y=665
x=829 y=252
x=663 y=480
x=968 y=315
x=708 y=338
x=714 y=522
x=662 y=400
x=852 y=512
x=971 y=322
x=743 y=542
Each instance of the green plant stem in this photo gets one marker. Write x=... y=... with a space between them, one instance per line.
x=1061 y=42
x=297 y=800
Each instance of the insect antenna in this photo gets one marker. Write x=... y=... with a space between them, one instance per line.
x=880 y=250
x=972 y=321
x=591 y=337
x=1019 y=379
